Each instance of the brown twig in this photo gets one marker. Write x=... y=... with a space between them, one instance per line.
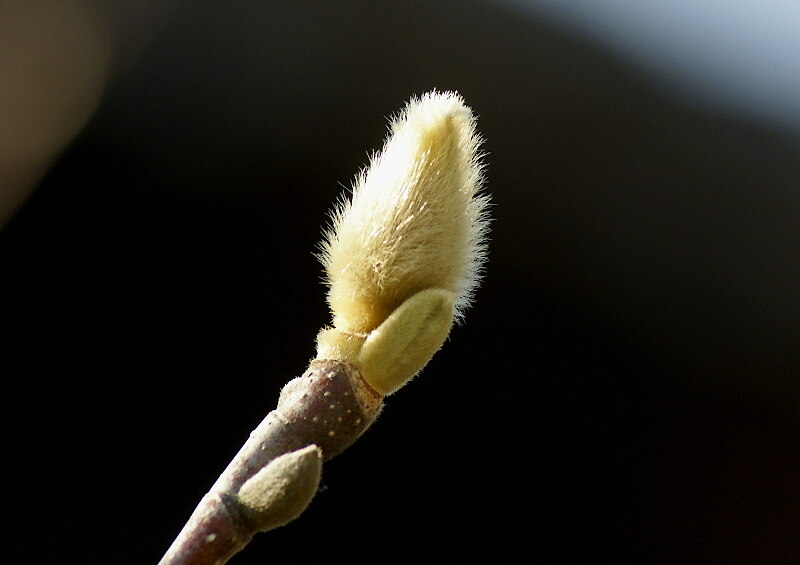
x=276 y=473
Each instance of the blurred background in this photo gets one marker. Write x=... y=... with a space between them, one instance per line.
x=625 y=388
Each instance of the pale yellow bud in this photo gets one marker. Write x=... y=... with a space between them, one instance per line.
x=416 y=223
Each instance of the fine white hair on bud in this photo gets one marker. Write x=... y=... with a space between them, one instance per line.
x=416 y=222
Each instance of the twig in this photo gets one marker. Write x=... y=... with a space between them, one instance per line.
x=276 y=473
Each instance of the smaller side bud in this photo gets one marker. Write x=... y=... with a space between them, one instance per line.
x=279 y=492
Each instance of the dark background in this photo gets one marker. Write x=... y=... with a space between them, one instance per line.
x=625 y=388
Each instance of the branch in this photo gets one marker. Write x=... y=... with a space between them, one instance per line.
x=276 y=473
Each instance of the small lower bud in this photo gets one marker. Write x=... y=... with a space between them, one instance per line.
x=279 y=492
